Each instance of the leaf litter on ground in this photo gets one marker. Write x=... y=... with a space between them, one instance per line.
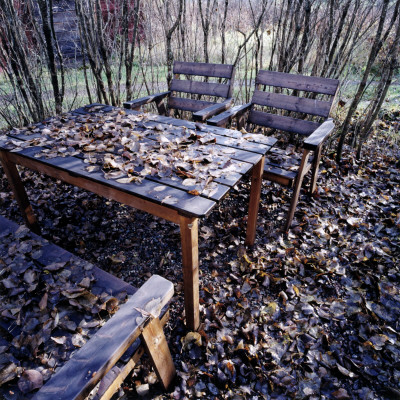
x=313 y=314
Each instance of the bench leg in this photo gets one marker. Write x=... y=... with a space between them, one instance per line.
x=190 y=263
x=296 y=190
x=157 y=348
x=254 y=203
x=20 y=195
x=314 y=170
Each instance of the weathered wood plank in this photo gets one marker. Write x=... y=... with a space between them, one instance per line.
x=72 y=170
x=192 y=105
x=81 y=373
x=283 y=123
x=95 y=107
x=318 y=137
x=204 y=88
x=269 y=141
x=297 y=187
x=190 y=264
x=292 y=103
x=52 y=253
x=203 y=69
x=18 y=189
x=208 y=112
x=137 y=103
x=254 y=202
x=112 y=381
x=297 y=82
x=279 y=175
x=224 y=118
x=158 y=351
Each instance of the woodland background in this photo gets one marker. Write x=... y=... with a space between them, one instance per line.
x=122 y=49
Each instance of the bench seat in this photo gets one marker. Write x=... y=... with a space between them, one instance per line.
x=44 y=325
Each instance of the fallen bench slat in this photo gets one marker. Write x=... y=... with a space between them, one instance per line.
x=81 y=373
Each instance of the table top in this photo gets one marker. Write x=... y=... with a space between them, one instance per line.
x=179 y=164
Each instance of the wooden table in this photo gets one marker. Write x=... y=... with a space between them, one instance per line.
x=173 y=203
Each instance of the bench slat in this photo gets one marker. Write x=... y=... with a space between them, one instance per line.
x=181 y=103
x=283 y=123
x=206 y=88
x=203 y=69
x=297 y=82
x=292 y=103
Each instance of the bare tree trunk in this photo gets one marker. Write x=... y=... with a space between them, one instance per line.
x=165 y=14
x=130 y=50
x=375 y=48
x=223 y=35
x=388 y=69
x=15 y=49
x=46 y=13
x=206 y=17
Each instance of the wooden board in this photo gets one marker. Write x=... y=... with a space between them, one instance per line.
x=292 y=103
x=287 y=124
x=204 y=88
x=72 y=170
x=203 y=69
x=181 y=103
x=80 y=374
x=297 y=82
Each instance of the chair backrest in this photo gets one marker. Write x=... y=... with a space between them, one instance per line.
x=222 y=89
x=299 y=98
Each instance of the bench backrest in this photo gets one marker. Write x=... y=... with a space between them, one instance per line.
x=188 y=70
x=299 y=98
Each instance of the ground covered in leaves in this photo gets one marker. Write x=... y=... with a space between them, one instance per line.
x=308 y=315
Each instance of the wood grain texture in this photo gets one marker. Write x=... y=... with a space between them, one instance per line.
x=144 y=196
x=318 y=137
x=224 y=118
x=204 y=88
x=254 y=202
x=297 y=187
x=192 y=105
x=114 y=379
x=157 y=348
x=137 y=103
x=292 y=103
x=18 y=189
x=297 y=82
x=208 y=112
x=279 y=175
x=81 y=373
x=203 y=69
x=287 y=124
x=190 y=264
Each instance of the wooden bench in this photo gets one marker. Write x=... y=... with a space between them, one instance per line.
x=201 y=109
x=288 y=105
x=112 y=350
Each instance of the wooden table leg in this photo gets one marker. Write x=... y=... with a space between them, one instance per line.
x=19 y=192
x=190 y=262
x=255 y=194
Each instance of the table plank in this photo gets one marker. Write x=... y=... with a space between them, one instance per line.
x=170 y=197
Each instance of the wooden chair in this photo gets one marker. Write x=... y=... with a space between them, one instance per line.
x=201 y=109
x=296 y=107
x=113 y=350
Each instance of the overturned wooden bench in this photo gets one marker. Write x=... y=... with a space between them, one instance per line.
x=100 y=366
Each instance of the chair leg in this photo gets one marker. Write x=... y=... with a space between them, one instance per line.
x=314 y=170
x=296 y=190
